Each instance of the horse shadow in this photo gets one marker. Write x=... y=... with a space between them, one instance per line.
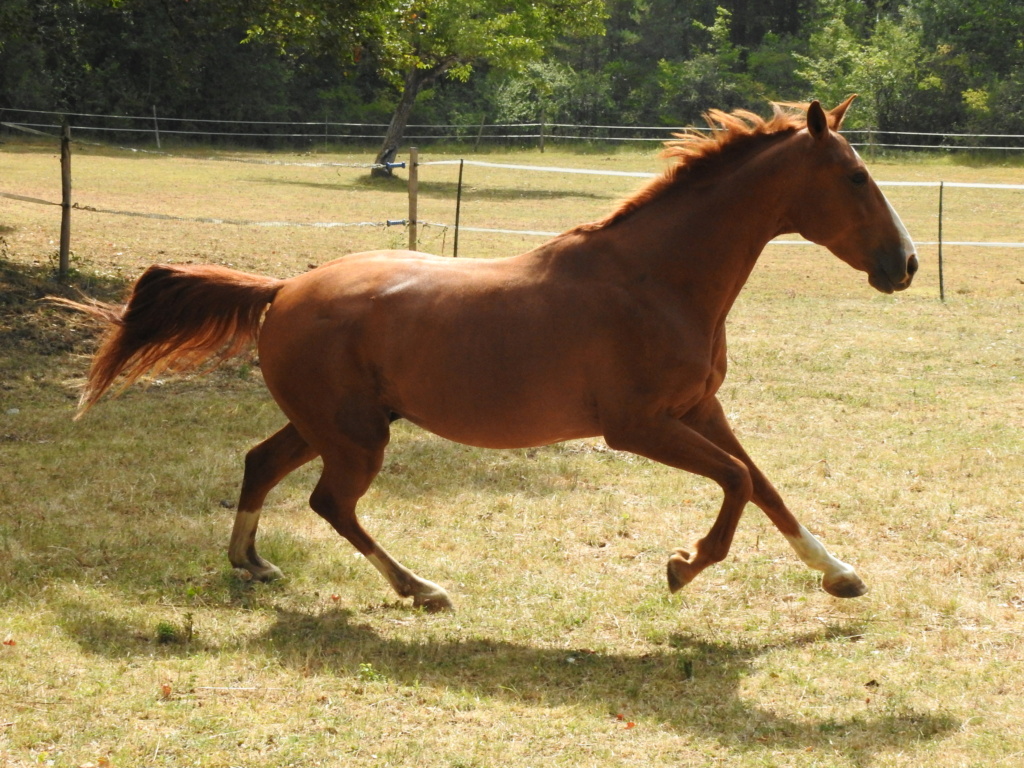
x=689 y=685
x=693 y=685
x=417 y=462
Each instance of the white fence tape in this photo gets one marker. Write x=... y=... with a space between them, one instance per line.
x=544 y=168
x=648 y=175
x=490 y=230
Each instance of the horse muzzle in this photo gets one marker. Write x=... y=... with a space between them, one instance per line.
x=890 y=281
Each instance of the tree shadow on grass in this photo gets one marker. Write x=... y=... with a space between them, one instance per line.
x=692 y=686
x=447 y=190
x=29 y=324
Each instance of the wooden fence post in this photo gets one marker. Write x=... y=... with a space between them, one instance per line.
x=65 y=204
x=414 y=183
x=479 y=134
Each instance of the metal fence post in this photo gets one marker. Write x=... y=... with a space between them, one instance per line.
x=942 y=285
x=458 y=209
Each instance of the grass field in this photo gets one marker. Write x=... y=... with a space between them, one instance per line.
x=893 y=425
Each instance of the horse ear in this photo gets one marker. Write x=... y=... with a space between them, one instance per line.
x=836 y=115
x=817 y=120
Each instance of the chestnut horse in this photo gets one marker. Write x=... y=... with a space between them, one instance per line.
x=615 y=328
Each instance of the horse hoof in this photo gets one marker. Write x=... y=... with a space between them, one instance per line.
x=265 y=572
x=433 y=602
x=679 y=570
x=844 y=585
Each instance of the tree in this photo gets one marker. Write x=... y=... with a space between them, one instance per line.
x=125 y=56
x=415 y=42
x=428 y=39
x=711 y=76
x=919 y=65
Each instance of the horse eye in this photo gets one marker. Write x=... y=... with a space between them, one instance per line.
x=859 y=178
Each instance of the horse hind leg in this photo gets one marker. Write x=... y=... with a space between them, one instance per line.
x=265 y=466
x=345 y=479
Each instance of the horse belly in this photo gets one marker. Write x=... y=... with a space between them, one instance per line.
x=504 y=427
x=513 y=409
x=508 y=384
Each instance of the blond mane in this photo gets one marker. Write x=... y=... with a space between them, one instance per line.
x=695 y=153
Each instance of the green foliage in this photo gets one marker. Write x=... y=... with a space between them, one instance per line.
x=924 y=65
x=549 y=91
x=450 y=36
x=370 y=674
x=830 y=64
x=712 y=76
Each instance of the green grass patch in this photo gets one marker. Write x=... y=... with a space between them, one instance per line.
x=892 y=425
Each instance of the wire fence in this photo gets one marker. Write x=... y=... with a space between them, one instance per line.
x=411 y=221
x=155 y=129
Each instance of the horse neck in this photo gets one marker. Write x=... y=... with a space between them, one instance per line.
x=704 y=238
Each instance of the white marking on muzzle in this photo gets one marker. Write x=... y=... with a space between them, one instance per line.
x=909 y=249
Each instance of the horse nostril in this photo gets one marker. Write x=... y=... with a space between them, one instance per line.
x=912 y=265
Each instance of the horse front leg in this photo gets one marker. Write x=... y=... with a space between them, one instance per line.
x=839 y=579
x=668 y=441
x=265 y=466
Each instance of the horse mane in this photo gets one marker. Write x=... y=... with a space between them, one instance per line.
x=695 y=154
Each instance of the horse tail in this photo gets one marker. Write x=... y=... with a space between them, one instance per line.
x=176 y=319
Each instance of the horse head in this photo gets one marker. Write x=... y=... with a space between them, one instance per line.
x=841 y=207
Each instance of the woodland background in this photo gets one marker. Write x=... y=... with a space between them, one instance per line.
x=950 y=66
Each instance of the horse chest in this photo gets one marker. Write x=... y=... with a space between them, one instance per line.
x=694 y=371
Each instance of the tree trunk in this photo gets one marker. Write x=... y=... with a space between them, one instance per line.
x=415 y=79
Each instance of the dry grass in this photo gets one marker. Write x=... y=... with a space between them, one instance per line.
x=893 y=425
